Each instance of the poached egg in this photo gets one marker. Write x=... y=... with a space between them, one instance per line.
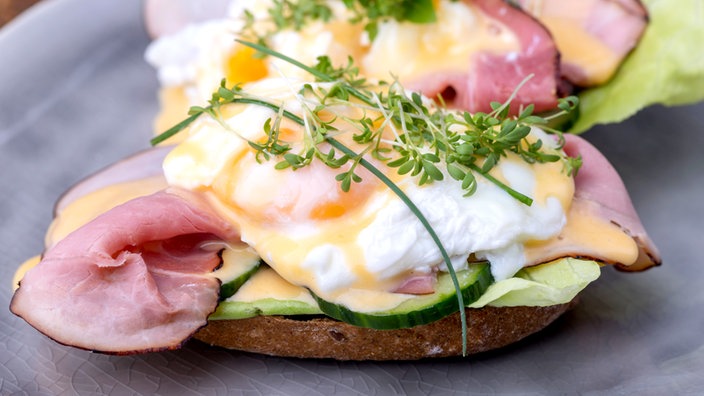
x=315 y=235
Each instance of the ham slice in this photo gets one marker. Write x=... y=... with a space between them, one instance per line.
x=593 y=36
x=600 y=193
x=132 y=280
x=492 y=77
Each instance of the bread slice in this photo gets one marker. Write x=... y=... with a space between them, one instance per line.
x=320 y=337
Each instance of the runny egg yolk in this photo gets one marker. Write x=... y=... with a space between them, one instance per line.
x=243 y=66
x=296 y=216
x=271 y=196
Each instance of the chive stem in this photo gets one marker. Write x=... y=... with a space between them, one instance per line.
x=526 y=200
x=174 y=130
x=416 y=212
x=183 y=124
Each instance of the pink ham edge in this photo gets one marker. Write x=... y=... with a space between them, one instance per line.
x=129 y=281
x=495 y=77
x=418 y=284
x=600 y=189
x=144 y=164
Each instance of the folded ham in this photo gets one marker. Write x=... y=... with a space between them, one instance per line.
x=134 y=279
x=495 y=77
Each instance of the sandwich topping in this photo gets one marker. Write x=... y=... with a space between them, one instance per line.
x=315 y=178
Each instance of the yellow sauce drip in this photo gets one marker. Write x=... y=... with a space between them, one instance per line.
x=409 y=50
x=597 y=61
x=598 y=238
x=553 y=181
x=266 y=283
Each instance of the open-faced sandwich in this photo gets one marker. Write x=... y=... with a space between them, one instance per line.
x=333 y=216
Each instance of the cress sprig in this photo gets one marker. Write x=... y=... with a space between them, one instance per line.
x=296 y=14
x=427 y=135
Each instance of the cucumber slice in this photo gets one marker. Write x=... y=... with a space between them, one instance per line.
x=266 y=293
x=239 y=263
x=418 y=310
x=265 y=307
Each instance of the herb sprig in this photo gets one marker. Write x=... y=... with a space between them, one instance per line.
x=424 y=136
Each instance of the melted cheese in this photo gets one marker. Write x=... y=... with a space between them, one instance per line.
x=596 y=237
x=591 y=61
x=268 y=284
x=365 y=300
x=237 y=259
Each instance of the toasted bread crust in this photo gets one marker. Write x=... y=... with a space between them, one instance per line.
x=488 y=328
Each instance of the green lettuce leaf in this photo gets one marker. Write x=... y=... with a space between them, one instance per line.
x=667 y=67
x=547 y=284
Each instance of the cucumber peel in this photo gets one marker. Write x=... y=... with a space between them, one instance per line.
x=418 y=310
x=229 y=288
x=238 y=265
x=552 y=283
x=230 y=310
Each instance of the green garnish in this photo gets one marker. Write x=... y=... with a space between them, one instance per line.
x=426 y=135
x=296 y=14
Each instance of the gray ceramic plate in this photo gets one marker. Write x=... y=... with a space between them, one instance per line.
x=76 y=95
